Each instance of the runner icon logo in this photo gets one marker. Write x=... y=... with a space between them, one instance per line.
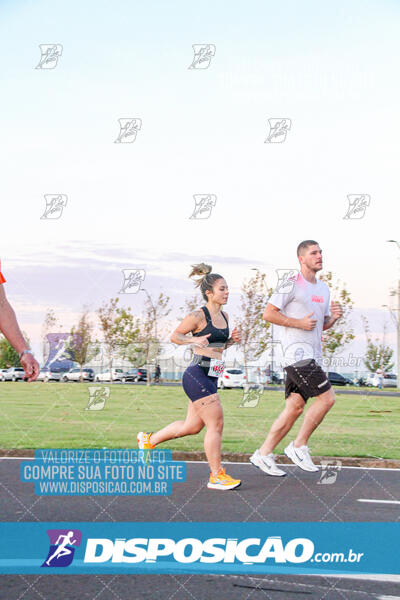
x=330 y=471
x=251 y=395
x=128 y=129
x=204 y=204
x=132 y=280
x=278 y=129
x=357 y=205
x=55 y=204
x=50 y=53
x=62 y=550
x=203 y=53
x=97 y=397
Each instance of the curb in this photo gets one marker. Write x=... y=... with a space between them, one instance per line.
x=346 y=461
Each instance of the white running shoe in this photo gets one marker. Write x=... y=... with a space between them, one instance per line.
x=266 y=464
x=301 y=457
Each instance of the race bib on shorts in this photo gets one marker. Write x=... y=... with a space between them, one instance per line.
x=216 y=367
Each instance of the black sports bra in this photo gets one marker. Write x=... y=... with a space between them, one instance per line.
x=217 y=335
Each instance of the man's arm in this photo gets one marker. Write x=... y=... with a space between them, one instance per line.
x=8 y=324
x=10 y=329
x=328 y=322
x=336 y=313
x=273 y=315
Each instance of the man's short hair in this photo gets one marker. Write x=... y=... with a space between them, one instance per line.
x=304 y=245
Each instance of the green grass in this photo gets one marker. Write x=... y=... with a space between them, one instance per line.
x=53 y=415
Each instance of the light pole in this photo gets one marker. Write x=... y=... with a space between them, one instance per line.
x=272 y=351
x=272 y=337
x=148 y=365
x=397 y=319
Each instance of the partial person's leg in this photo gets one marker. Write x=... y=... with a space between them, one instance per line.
x=314 y=415
x=190 y=426
x=294 y=407
x=209 y=410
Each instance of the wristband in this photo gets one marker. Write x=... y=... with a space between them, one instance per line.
x=25 y=352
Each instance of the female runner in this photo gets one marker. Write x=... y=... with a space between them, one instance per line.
x=210 y=326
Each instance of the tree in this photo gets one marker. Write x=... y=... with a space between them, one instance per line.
x=255 y=331
x=341 y=333
x=118 y=328
x=50 y=325
x=149 y=327
x=129 y=347
x=8 y=355
x=82 y=345
x=378 y=355
x=191 y=304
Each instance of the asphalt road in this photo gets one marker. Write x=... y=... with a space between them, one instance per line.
x=296 y=497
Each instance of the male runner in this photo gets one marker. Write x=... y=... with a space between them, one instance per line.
x=10 y=329
x=303 y=313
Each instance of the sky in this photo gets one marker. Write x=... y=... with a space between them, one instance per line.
x=326 y=68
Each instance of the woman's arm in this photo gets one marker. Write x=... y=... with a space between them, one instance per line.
x=190 y=323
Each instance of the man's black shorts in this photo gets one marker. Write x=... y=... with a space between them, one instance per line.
x=306 y=377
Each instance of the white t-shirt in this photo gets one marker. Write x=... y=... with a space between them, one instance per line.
x=302 y=299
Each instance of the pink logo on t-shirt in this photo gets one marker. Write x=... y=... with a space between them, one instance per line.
x=317 y=298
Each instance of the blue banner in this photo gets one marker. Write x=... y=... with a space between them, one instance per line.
x=103 y=472
x=291 y=548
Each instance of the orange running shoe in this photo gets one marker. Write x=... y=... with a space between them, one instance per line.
x=222 y=481
x=143 y=440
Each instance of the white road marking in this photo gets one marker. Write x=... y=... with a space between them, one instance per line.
x=288 y=579
x=291 y=465
x=16 y=457
x=378 y=501
x=367 y=577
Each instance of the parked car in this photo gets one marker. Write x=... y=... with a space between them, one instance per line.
x=1 y=373
x=46 y=375
x=389 y=380
x=135 y=375
x=277 y=377
x=117 y=375
x=338 y=379
x=13 y=374
x=75 y=374
x=232 y=378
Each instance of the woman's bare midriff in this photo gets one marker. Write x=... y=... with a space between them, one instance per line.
x=210 y=352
